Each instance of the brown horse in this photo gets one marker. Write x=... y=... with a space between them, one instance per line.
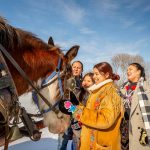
x=38 y=60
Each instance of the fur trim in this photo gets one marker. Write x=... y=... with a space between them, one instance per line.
x=97 y=86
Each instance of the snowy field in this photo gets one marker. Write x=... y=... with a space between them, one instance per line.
x=48 y=140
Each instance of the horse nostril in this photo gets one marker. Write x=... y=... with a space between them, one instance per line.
x=60 y=116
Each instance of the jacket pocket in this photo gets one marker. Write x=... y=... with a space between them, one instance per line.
x=99 y=147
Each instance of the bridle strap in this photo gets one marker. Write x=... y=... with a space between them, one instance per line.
x=52 y=75
x=59 y=79
x=45 y=83
x=15 y=64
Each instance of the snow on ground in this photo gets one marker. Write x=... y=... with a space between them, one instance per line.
x=47 y=141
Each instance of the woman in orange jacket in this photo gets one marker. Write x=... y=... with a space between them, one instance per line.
x=102 y=114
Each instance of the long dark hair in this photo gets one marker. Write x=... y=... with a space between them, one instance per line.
x=139 y=67
x=83 y=92
x=105 y=67
x=90 y=74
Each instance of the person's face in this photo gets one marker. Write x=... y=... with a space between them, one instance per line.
x=76 y=69
x=133 y=74
x=87 y=82
x=99 y=77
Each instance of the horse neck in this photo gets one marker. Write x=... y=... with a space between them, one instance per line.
x=31 y=53
x=35 y=66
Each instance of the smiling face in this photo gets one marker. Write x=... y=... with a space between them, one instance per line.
x=99 y=77
x=133 y=74
x=87 y=81
x=77 y=68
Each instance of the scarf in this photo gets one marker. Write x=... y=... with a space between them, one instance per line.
x=127 y=97
x=144 y=106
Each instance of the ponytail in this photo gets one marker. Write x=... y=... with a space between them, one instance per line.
x=115 y=77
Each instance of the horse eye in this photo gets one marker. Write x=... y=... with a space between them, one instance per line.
x=57 y=69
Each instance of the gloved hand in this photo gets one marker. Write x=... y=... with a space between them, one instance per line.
x=66 y=107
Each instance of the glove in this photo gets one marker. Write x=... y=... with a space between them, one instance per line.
x=66 y=107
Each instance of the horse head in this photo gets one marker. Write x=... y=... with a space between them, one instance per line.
x=54 y=89
x=44 y=64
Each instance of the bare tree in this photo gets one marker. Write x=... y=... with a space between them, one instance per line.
x=120 y=63
x=147 y=70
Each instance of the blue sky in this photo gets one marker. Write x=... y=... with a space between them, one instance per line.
x=102 y=28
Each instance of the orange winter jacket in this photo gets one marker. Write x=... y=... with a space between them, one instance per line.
x=101 y=119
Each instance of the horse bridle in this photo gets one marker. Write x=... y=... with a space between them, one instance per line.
x=54 y=73
x=47 y=82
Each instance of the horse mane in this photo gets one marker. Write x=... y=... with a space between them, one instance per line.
x=12 y=37
x=29 y=51
x=23 y=41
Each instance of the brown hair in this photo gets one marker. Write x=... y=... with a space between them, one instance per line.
x=78 y=62
x=90 y=74
x=104 y=68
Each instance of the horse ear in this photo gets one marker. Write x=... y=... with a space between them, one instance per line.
x=72 y=53
x=50 y=41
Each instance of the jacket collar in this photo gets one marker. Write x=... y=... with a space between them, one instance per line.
x=97 y=86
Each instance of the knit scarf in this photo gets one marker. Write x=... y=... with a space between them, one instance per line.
x=127 y=96
x=144 y=106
